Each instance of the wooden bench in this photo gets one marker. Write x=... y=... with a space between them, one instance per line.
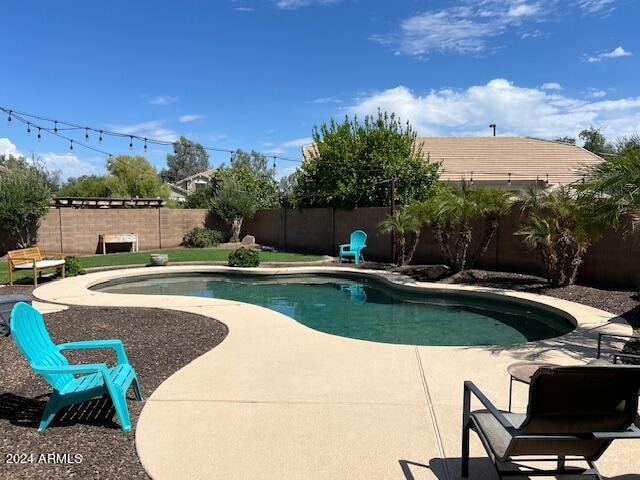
x=32 y=258
x=131 y=238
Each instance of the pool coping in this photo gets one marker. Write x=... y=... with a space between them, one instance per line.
x=390 y=385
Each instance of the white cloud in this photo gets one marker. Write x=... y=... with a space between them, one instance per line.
x=595 y=93
x=294 y=4
x=326 y=100
x=551 y=86
x=596 y=6
x=617 y=52
x=9 y=148
x=298 y=142
x=516 y=110
x=69 y=165
x=163 y=100
x=189 y=117
x=152 y=129
x=245 y=9
x=465 y=28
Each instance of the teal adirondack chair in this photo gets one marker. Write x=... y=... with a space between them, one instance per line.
x=357 y=243
x=72 y=384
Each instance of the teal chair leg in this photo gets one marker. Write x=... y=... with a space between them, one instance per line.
x=50 y=411
x=136 y=390
x=120 y=404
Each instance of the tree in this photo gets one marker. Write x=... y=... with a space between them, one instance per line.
x=136 y=177
x=188 y=159
x=127 y=177
x=453 y=214
x=234 y=204
x=567 y=140
x=400 y=224
x=560 y=226
x=595 y=141
x=255 y=161
x=51 y=178
x=24 y=200
x=351 y=164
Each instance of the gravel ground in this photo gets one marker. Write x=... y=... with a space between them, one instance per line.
x=158 y=342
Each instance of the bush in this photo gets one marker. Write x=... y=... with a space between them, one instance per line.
x=201 y=237
x=244 y=257
x=73 y=266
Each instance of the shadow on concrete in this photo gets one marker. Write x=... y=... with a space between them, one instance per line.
x=449 y=469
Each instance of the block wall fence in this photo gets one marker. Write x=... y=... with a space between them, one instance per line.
x=614 y=260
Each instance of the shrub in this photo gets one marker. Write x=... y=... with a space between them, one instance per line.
x=244 y=257
x=73 y=266
x=201 y=237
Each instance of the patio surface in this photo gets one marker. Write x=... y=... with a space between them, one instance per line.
x=279 y=400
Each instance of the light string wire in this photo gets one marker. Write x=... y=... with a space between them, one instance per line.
x=25 y=117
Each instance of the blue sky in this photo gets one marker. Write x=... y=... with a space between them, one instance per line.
x=260 y=73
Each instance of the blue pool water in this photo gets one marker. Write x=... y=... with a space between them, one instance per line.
x=367 y=309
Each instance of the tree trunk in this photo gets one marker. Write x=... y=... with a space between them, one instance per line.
x=236 y=226
x=414 y=246
x=403 y=241
x=463 y=242
x=489 y=232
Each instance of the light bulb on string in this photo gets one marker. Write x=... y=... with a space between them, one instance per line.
x=86 y=134
x=145 y=145
x=471 y=179
x=130 y=143
x=100 y=138
x=55 y=126
x=71 y=145
x=509 y=180
x=39 y=135
x=28 y=129
x=274 y=162
x=9 y=118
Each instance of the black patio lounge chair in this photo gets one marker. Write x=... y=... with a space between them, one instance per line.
x=574 y=413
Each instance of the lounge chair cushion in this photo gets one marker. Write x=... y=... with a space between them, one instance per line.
x=504 y=447
x=41 y=264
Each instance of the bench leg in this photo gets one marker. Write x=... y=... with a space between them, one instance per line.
x=10 y=273
x=63 y=272
x=35 y=276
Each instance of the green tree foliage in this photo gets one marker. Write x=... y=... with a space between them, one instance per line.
x=595 y=141
x=24 y=199
x=567 y=140
x=457 y=213
x=402 y=224
x=353 y=161
x=188 y=159
x=51 y=178
x=234 y=204
x=560 y=226
x=128 y=177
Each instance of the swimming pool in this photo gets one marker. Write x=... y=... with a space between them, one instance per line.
x=367 y=309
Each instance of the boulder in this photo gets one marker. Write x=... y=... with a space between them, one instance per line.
x=248 y=240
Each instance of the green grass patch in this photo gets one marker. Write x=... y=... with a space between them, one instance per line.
x=175 y=255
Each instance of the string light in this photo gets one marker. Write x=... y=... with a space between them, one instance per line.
x=471 y=179
x=29 y=129
x=86 y=134
x=100 y=139
x=71 y=145
x=39 y=135
x=145 y=145
x=9 y=118
x=547 y=180
x=130 y=142
x=55 y=126
x=509 y=180
x=274 y=162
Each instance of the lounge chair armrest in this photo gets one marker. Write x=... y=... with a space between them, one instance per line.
x=601 y=336
x=470 y=388
x=73 y=369
x=114 y=344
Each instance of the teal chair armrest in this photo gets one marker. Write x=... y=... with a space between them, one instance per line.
x=73 y=369
x=345 y=247
x=114 y=344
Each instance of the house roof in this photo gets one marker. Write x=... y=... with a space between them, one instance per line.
x=494 y=158
x=206 y=174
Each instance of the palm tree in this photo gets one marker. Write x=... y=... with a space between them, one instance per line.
x=560 y=226
x=452 y=213
x=399 y=224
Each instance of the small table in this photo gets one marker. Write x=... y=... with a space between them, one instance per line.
x=522 y=372
x=131 y=238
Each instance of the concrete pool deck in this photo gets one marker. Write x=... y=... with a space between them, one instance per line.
x=279 y=400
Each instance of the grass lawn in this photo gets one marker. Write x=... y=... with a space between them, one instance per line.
x=175 y=255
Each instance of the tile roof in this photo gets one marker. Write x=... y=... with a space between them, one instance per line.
x=493 y=158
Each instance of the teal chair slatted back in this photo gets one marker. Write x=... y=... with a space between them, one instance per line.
x=358 y=239
x=30 y=334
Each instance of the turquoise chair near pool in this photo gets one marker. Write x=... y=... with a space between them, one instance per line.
x=72 y=384
x=357 y=243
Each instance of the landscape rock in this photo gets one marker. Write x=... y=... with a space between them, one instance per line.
x=248 y=240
